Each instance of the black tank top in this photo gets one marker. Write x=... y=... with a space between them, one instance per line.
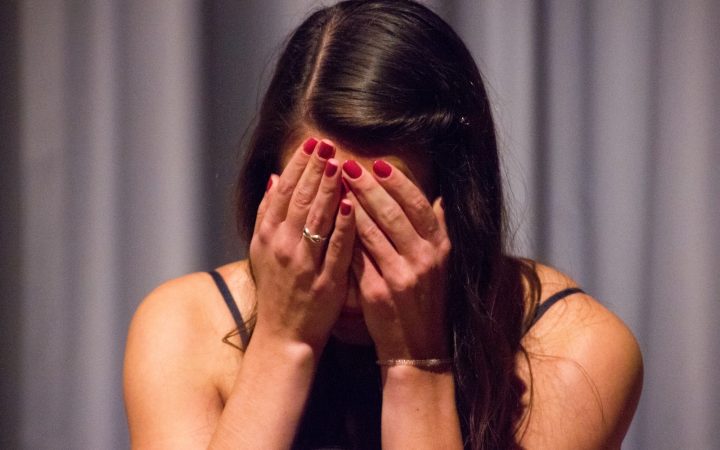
x=345 y=402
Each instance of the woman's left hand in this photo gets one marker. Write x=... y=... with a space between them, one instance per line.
x=400 y=262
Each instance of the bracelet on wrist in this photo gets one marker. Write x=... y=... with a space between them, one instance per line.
x=433 y=364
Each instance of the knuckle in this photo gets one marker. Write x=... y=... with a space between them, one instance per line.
x=255 y=247
x=297 y=165
x=377 y=293
x=445 y=247
x=285 y=187
x=418 y=204
x=303 y=197
x=265 y=232
x=431 y=228
x=391 y=214
x=335 y=245
x=370 y=233
x=328 y=188
x=316 y=221
x=283 y=255
x=442 y=248
x=316 y=289
x=262 y=236
x=317 y=165
x=405 y=281
x=424 y=262
x=282 y=249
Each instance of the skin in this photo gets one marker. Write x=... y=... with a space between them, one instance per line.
x=380 y=280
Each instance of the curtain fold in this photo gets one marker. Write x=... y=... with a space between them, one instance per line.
x=110 y=192
x=679 y=329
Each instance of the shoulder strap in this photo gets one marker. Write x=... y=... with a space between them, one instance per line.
x=544 y=306
x=232 y=306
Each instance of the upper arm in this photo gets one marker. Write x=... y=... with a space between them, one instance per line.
x=586 y=372
x=170 y=402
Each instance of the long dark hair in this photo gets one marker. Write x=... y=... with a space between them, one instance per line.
x=394 y=74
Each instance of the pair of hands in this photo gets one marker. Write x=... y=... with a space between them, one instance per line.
x=399 y=259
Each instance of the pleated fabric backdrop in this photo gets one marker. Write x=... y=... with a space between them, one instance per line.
x=123 y=129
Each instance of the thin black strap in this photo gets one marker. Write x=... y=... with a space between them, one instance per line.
x=544 y=306
x=230 y=302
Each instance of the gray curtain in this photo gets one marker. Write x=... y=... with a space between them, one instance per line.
x=109 y=196
x=120 y=127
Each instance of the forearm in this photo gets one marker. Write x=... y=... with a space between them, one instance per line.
x=419 y=409
x=268 y=397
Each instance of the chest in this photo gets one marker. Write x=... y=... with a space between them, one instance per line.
x=345 y=400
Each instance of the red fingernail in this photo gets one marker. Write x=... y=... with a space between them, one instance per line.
x=269 y=184
x=309 y=145
x=344 y=188
x=326 y=150
x=382 y=169
x=352 y=168
x=345 y=207
x=330 y=168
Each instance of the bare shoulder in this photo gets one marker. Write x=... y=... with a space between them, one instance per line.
x=586 y=371
x=172 y=360
x=171 y=310
x=189 y=307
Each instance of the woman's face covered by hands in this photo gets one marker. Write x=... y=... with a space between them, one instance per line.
x=395 y=290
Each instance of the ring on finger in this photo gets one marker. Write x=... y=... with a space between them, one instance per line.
x=314 y=238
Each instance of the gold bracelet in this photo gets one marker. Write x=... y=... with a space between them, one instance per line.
x=432 y=363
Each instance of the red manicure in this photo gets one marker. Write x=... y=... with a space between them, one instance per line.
x=269 y=184
x=345 y=207
x=309 y=145
x=352 y=168
x=326 y=151
x=330 y=168
x=382 y=169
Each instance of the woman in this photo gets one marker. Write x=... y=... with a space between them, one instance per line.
x=377 y=306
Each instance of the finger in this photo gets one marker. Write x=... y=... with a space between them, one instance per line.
x=341 y=243
x=442 y=242
x=322 y=213
x=288 y=180
x=373 y=238
x=262 y=208
x=410 y=197
x=381 y=207
x=307 y=187
x=371 y=285
x=439 y=212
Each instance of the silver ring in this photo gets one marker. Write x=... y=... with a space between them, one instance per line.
x=314 y=238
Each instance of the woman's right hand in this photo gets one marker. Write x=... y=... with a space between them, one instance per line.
x=302 y=285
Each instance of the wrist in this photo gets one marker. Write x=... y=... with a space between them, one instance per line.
x=428 y=344
x=409 y=376
x=283 y=349
x=409 y=384
x=290 y=334
x=422 y=405
x=433 y=351
x=432 y=364
x=413 y=385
